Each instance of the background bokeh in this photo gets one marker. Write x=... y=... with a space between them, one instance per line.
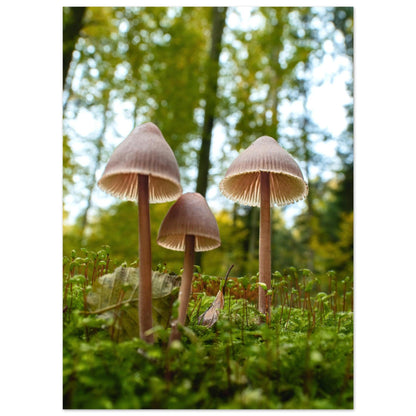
x=213 y=80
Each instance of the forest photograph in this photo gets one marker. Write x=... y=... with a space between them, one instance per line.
x=208 y=207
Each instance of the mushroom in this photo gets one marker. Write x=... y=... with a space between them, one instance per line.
x=262 y=175
x=188 y=226
x=143 y=168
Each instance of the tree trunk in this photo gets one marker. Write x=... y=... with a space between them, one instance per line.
x=72 y=26
x=218 y=23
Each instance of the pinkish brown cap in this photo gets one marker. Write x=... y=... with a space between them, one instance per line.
x=242 y=179
x=144 y=151
x=191 y=215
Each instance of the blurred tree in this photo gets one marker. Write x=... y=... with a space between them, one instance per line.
x=72 y=25
x=98 y=144
x=232 y=251
x=264 y=66
x=332 y=230
x=268 y=68
x=122 y=58
x=163 y=50
x=69 y=169
x=212 y=69
x=335 y=228
x=68 y=166
x=96 y=63
x=343 y=19
x=210 y=97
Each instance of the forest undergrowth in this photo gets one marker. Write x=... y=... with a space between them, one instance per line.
x=300 y=357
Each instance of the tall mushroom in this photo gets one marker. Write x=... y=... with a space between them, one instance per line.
x=143 y=168
x=264 y=174
x=188 y=226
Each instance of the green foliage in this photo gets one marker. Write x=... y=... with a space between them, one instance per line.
x=331 y=227
x=302 y=359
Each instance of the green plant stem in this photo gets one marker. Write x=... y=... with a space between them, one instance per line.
x=336 y=296
x=281 y=314
x=242 y=324
x=197 y=302
x=290 y=309
x=330 y=289
x=245 y=307
x=66 y=285
x=322 y=311
x=314 y=318
x=94 y=271
x=298 y=289
x=343 y=300
x=309 y=301
x=107 y=263
x=308 y=370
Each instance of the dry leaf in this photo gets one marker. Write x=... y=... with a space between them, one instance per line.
x=114 y=297
x=210 y=316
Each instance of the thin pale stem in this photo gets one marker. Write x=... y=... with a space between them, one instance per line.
x=145 y=258
x=186 y=281
x=265 y=243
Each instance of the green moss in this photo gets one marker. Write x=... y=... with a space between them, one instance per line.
x=302 y=359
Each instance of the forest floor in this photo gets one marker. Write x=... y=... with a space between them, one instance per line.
x=302 y=358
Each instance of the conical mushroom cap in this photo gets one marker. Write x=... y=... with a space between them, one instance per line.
x=242 y=179
x=143 y=151
x=191 y=215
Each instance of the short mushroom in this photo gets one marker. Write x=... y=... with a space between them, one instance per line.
x=262 y=175
x=143 y=168
x=188 y=226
